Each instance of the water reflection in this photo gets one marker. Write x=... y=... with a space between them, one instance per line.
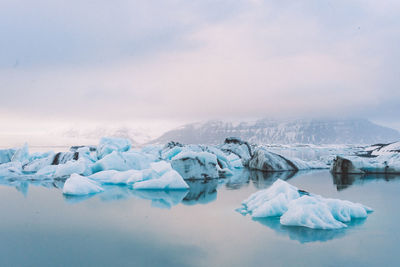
x=263 y=180
x=259 y=179
x=343 y=181
x=160 y=198
x=201 y=192
x=307 y=235
x=22 y=184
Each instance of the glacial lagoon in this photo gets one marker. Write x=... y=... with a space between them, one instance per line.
x=200 y=227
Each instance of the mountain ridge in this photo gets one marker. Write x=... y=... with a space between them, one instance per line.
x=290 y=131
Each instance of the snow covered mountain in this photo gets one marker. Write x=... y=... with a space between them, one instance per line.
x=268 y=131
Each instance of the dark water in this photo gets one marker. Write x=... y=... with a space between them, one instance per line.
x=121 y=227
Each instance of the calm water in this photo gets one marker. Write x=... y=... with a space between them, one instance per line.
x=121 y=227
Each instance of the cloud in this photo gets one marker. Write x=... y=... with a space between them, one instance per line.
x=189 y=60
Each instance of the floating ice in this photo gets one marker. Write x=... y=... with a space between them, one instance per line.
x=159 y=175
x=6 y=155
x=122 y=162
x=299 y=208
x=109 y=144
x=238 y=147
x=76 y=166
x=11 y=169
x=386 y=163
x=264 y=160
x=39 y=161
x=195 y=165
x=80 y=185
x=382 y=149
x=169 y=180
x=117 y=177
x=21 y=154
x=235 y=161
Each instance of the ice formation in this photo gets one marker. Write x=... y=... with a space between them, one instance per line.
x=264 y=160
x=80 y=185
x=121 y=161
x=386 y=163
x=6 y=155
x=197 y=161
x=378 y=158
x=193 y=165
x=299 y=208
x=114 y=161
x=238 y=147
x=109 y=144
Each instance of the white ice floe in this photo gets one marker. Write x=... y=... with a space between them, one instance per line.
x=80 y=185
x=298 y=208
x=109 y=144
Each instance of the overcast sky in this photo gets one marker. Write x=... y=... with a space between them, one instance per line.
x=146 y=62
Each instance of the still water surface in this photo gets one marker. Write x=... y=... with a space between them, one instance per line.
x=122 y=227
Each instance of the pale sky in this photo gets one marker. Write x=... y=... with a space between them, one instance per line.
x=158 y=63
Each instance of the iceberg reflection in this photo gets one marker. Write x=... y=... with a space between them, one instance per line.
x=344 y=180
x=307 y=235
x=201 y=192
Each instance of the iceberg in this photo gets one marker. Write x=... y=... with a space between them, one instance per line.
x=264 y=160
x=299 y=208
x=21 y=154
x=238 y=147
x=159 y=175
x=38 y=162
x=80 y=185
x=64 y=157
x=381 y=149
x=76 y=166
x=107 y=145
x=168 y=180
x=11 y=169
x=198 y=161
x=6 y=155
x=196 y=165
x=235 y=161
x=118 y=177
x=385 y=163
x=122 y=161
